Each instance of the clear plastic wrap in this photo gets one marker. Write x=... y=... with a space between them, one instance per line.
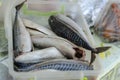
x=3 y=43
x=3 y=40
x=108 y=24
x=91 y=9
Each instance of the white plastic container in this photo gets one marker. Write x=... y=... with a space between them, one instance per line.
x=46 y=74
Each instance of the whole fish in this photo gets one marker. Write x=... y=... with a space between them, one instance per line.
x=68 y=29
x=67 y=48
x=58 y=64
x=39 y=55
x=21 y=38
x=31 y=25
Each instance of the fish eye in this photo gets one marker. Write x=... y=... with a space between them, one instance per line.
x=51 y=20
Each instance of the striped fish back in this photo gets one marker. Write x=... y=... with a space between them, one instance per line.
x=61 y=65
x=61 y=29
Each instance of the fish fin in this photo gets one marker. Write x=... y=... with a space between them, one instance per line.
x=101 y=49
x=93 y=57
x=18 y=7
x=97 y=51
x=79 y=52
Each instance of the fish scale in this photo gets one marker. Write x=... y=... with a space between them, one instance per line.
x=23 y=65
x=21 y=37
x=62 y=30
x=68 y=29
x=61 y=65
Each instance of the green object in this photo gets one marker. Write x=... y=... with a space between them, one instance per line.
x=3 y=42
x=31 y=79
x=85 y=78
x=2 y=54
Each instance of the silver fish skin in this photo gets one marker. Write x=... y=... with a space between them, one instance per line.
x=68 y=29
x=72 y=25
x=39 y=55
x=34 y=32
x=58 y=64
x=34 y=26
x=21 y=38
x=67 y=48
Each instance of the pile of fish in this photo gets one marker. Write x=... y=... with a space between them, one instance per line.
x=61 y=48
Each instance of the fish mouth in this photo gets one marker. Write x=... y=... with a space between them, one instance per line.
x=51 y=19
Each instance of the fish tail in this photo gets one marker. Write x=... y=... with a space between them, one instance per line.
x=100 y=49
x=97 y=51
x=93 y=57
x=18 y=7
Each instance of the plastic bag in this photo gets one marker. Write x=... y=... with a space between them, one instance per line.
x=3 y=43
x=91 y=9
x=3 y=40
x=108 y=25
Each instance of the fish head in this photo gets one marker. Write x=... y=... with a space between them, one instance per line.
x=52 y=19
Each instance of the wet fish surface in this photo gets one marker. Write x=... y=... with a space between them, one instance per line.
x=66 y=30
x=67 y=48
x=34 y=32
x=39 y=55
x=34 y=26
x=21 y=37
x=58 y=64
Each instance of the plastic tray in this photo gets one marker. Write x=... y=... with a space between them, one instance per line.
x=46 y=74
